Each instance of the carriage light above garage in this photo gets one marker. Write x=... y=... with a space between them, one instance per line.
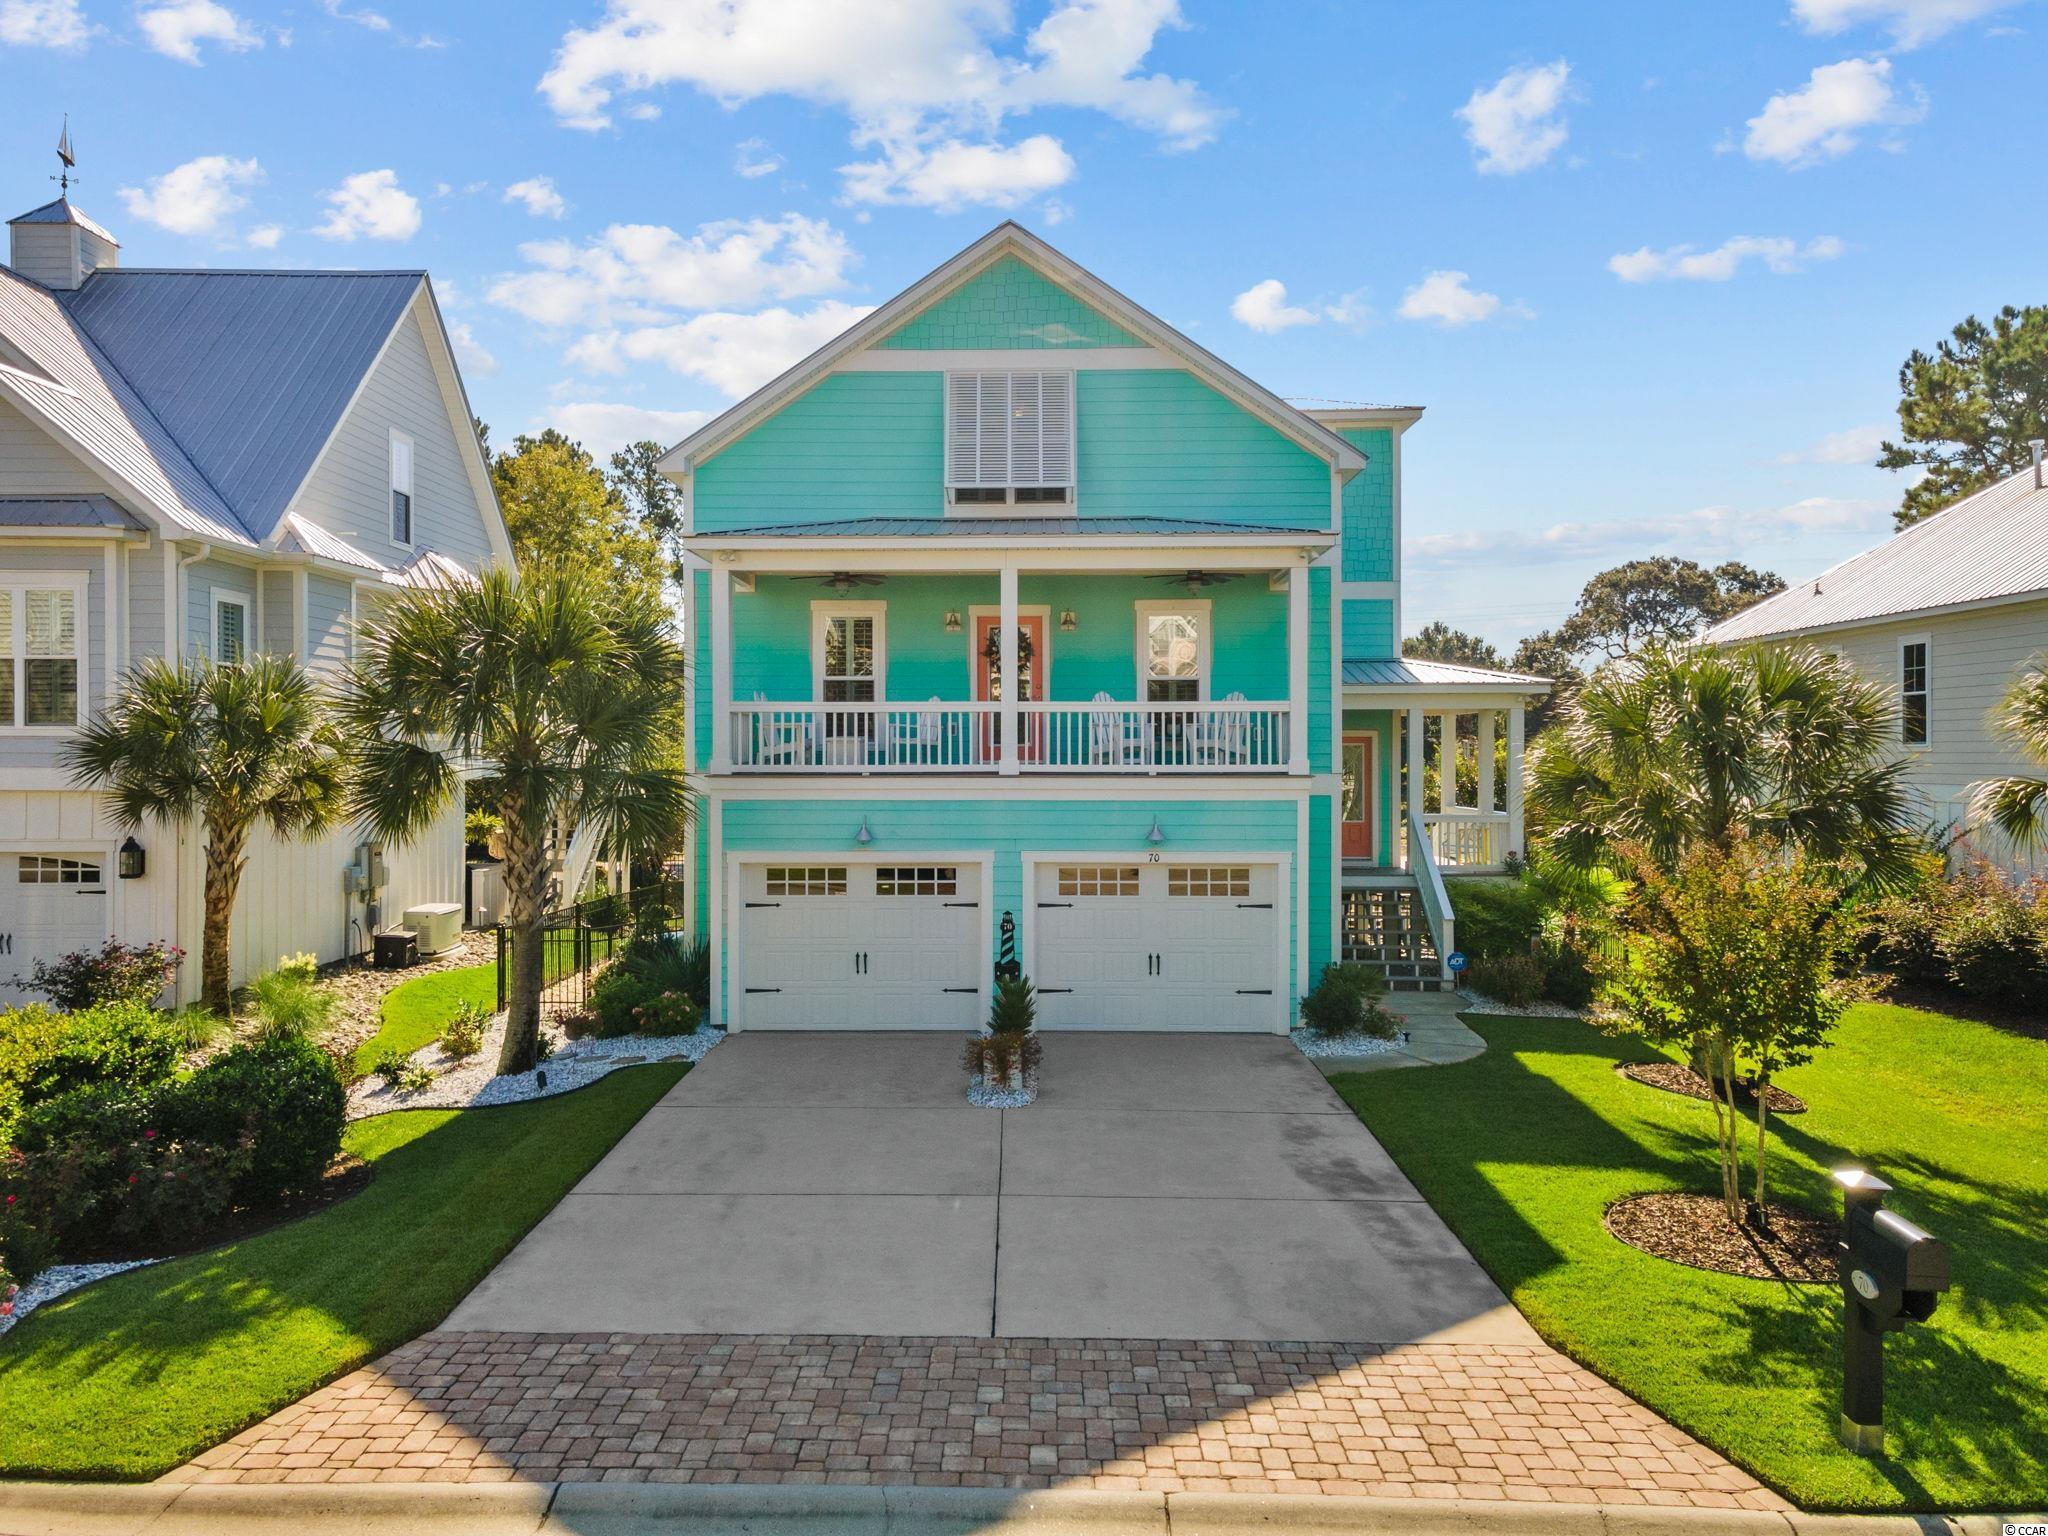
x=863 y=837
x=1156 y=836
x=133 y=860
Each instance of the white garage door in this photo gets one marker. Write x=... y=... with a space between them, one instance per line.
x=1157 y=946
x=50 y=905
x=838 y=945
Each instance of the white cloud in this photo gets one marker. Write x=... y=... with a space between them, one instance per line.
x=177 y=28
x=472 y=354
x=1264 y=308
x=1851 y=445
x=370 y=205
x=1448 y=298
x=753 y=159
x=193 y=198
x=604 y=429
x=1777 y=253
x=735 y=353
x=539 y=196
x=637 y=271
x=374 y=21
x=1517 y=123
x=949 y=175
x=1826 y=117
x=1910 y=22
x=1716 y=531
x=264 y=237
x=43 y=24
x=920 y=79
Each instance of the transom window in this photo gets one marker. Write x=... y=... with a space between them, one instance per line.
x=1010 y=439
x=1098 y=880
x=924 y=880
x=807 y=880
x=1174 y=653
x=1208 y=880
x=1913 y=693
x=42 y=869
x=230 y=628
x=41 y=656
x=401 y=488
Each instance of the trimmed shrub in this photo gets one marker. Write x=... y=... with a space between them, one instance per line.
x=669 y=1014
x=1568 y=976
x=113 y=973
x=464 y=1035
x=579 y=1024
x=44 y=1054
x=285 y=1094
x=1498 y=916
x=101 y=1115
x=673 y=962
x=617 y=996
x=1995 y=940
x=1516 y=980
x=1347 y=1001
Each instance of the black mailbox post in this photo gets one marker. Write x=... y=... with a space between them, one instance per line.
x=1892 y=1274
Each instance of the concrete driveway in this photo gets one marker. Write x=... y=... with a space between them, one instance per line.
x=1164 y=1186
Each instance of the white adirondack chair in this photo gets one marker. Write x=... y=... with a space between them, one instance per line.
x=784 y=742
x=1113 y=734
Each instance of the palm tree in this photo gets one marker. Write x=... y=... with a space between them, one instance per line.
x=229 y=745
x=1681 y=747
x=566 y=689
x=2018 y=804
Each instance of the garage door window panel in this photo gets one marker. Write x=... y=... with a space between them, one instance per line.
x=1209 y=880
x=1098 y=880
x=807 y=880
x=919 y=880
x=45 y=869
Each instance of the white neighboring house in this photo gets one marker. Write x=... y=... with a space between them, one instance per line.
x=1945 y=614
x=208 y=463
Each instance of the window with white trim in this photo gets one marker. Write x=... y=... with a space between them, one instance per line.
x=807 y=880
x=42 y=656
x=1208 y=880
x=848 y=654
x=230 y=628
x=1010 y=439
x=919 y=880
x=1913 y=693
x=401 y=488
x=1098 y=880
x=44 y=869
x=1173 y=656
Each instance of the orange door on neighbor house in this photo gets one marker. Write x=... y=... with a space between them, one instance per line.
x=1031 y=670
x=1360 y=787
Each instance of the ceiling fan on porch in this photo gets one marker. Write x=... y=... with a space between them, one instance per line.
x=846 y=581
x=1195 y=581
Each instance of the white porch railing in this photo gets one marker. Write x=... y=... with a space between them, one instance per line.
x=1105 y=736
x=1468 y=838
x=1436 y=901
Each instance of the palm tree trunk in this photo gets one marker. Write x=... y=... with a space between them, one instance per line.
x=224 y=865
x=526 y=894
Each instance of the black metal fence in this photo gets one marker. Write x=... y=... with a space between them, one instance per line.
x=580 y=940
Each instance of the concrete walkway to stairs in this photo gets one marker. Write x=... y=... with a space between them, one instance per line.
x=1436 y=1037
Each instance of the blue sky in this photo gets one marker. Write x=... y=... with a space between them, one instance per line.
x=1651 y=267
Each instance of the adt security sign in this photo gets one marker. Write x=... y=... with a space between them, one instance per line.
x=1455 y=962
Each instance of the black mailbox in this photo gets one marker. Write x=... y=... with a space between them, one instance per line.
x=1892 y=1274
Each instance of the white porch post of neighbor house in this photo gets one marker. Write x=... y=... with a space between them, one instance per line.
x=1007 y=629
x=1297 y=670
x=1486 y=762
x=1447 y=761
x=1417 y=801
x=721 y=668
x=1515 y=778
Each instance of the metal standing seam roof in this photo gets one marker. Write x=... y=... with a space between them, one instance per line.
x=64 y=512
x=62 y=211
x=249 y=371
x=1010 y=527
x=79 y=388
x=1414 y=672
x=1992 y=544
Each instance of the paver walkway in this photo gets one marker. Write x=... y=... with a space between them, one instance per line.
x=1504 y=1421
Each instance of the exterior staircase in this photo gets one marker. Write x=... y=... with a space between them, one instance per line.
x=1385 y=926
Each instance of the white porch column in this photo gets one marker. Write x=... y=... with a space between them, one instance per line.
x=1008 y=631
x=1486 y=762
x=1297 y=670
x=1417 y=802
x=1447 y=762
x=721 y=668
x=1515 y=778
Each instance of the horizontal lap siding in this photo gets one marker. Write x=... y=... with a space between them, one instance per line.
x=1369 y=629
x=1319 y=669
x=145 y=566
x=202 y=580
x=327 y=623
x=33 y=463
x=1322 y=889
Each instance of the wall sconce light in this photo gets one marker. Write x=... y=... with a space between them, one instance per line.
x=1155 y=837
x=863 y=837
x=133 y=860
x=1068 y=623
x=952 y=621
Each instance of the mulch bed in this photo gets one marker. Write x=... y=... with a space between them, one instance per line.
x=344 y=1177
x=1694 y=1230
x=1676 y=1077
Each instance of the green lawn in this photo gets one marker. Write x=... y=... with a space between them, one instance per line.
x=131 y=1377
x=1523 y=1148
x=415 y=1012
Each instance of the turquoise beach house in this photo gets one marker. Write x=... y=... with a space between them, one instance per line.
x=1025 y=629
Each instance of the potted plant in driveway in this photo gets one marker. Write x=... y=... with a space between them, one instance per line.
x=1002 y=1061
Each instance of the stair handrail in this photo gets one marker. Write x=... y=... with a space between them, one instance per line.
x=1429 y=880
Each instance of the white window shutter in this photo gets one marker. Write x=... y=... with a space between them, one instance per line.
x=52 y=624
x=992 y=447
x=1055 y=429
x=963 y=411
x=1025 y=425
x=1005 y=430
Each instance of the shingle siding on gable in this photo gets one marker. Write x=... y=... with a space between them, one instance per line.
x=350 y=493
x=1369 y=508
x=1008 y=306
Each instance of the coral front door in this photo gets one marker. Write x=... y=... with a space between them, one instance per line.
x=1032 y=666
x=1361 y=771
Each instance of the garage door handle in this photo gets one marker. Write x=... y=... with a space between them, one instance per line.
x=1042 y=991
x=764 y=989
x=968 y=989
x=1254 y=991
x=764 y=903
x=1055 y=903
x=963 y=903
x=1263 y=906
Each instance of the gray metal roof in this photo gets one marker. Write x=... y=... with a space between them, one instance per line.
x=1988 y=546
x=250 y=371
x=1009 y=527
x=1414 y=672
x=62 y=212
x=63 y=512
x=79 y=390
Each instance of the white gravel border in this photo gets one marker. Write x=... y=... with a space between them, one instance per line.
x=470 y=1082
x=1479 y=1002
x=1312 y=1044
x=982 y=1096
x=61 y=1280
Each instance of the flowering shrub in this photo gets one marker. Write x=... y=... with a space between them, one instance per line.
x=578 y=1025
x=113 y=973
x=302 y=967
x=669 y=1014
x=167 y=1191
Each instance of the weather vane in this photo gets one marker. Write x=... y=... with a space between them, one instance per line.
x=64 y=177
